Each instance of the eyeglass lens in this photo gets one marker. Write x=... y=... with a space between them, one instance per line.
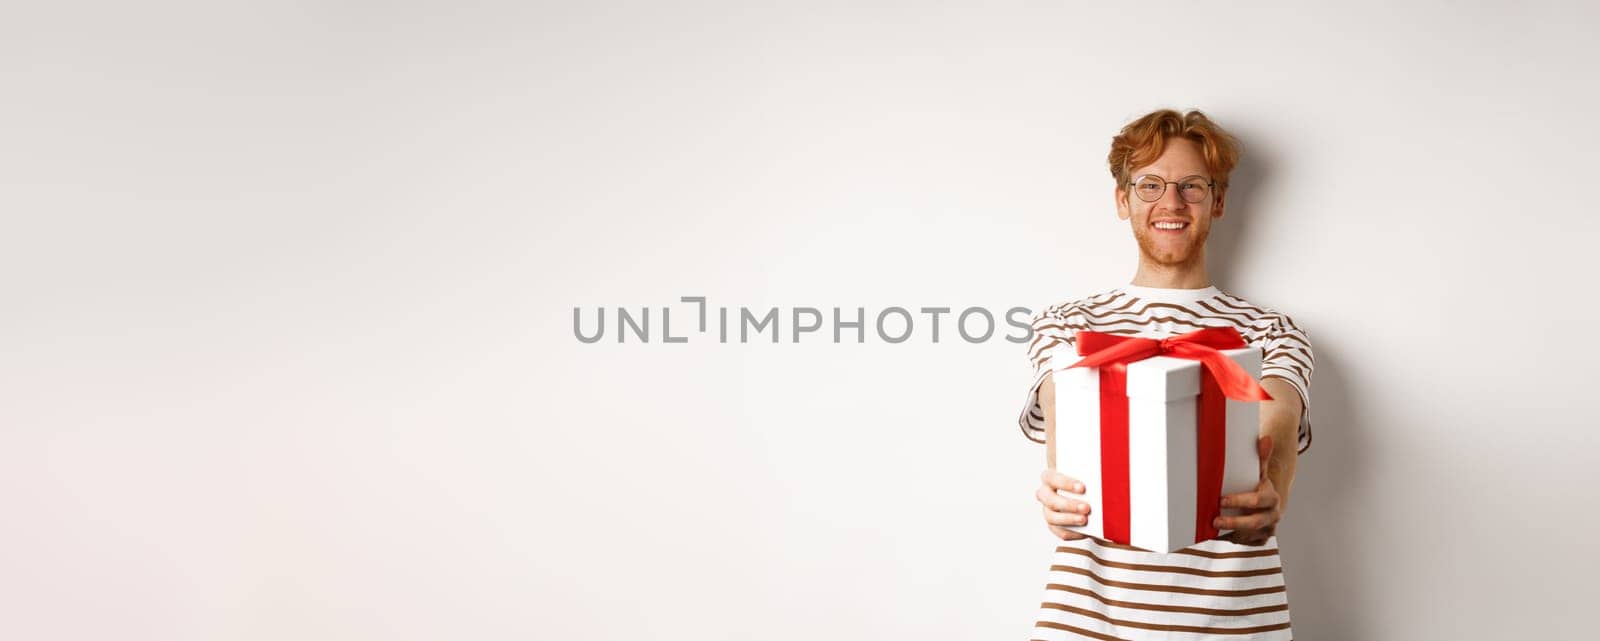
x=1151 y=188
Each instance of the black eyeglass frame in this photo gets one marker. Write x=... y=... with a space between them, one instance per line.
x=1210 y=185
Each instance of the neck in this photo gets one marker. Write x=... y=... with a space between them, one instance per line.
x=1189 y=275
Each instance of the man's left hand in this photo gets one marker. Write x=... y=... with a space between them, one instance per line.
x=1259 y=512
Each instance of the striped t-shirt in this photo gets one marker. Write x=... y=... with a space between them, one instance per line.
x=1212 y=590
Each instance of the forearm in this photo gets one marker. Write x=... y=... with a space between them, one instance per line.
x=1284 y=459
x=1280 y=419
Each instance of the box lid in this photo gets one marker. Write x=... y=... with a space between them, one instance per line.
x=1162 y=378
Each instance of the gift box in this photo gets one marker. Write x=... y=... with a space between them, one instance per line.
x=1158 y=430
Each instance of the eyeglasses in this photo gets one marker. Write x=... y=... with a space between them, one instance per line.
x=1151 y=188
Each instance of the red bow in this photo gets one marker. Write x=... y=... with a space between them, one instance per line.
x=1220 y=376
x=1201 y=345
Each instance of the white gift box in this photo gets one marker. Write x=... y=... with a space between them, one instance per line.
x=1162 y=458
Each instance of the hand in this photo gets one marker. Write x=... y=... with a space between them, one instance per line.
x=1260 y=508
x=1060 y=511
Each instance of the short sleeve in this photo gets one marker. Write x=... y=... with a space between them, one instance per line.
x=1050 y=337
x=1286 y=354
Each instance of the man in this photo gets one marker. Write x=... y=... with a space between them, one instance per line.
x=1171 y=173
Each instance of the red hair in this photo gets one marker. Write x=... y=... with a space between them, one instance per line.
x=1142 y=141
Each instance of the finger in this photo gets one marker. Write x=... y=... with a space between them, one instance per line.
x=1061 y=481
x=1251 y=537
x=1266 y=499
x=1065 y=518
x=1253 y=521
x=1259 y=500
x=1050 y=499
x=1065 y=534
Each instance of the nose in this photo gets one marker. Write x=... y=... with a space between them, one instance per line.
x=1172 y=198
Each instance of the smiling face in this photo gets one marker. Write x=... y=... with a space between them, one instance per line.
x=1183 y=247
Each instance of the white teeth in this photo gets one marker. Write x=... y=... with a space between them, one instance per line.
x=1171 y=225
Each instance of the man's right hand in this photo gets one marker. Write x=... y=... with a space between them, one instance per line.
x=1060 y=511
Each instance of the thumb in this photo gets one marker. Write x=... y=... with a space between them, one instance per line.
x=1264 y=448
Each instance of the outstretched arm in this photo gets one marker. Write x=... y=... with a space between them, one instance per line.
x=1262 y=508
x=1060 y=511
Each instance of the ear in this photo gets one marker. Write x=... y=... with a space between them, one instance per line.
x=1216 y=211
x=1123 y=213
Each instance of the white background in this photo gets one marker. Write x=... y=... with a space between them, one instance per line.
x=288 y=291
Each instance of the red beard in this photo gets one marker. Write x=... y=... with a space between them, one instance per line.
x=1166 y=252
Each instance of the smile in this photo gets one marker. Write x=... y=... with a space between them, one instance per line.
x=1169 y=225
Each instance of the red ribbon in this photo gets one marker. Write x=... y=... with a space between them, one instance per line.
x=1220 y=378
